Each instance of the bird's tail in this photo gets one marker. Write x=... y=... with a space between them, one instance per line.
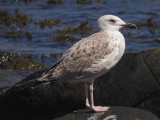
x=29 y=83
x=43 y=78
x=26 y=84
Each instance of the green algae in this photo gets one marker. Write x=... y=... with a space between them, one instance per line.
x=25 y=1
x=35 y=56
x=18 y=19
x=55 y=2
x=13 y=22
x=11 y=34
x=49 y=23
x=5 y=18
x=28 y=56
x=28 y=65
x=23 y=20
x=4 y=1
x=152 y=26
x=84 y=1
x=14 y=61
x=52 y=55
x=90 y=1
x=149 y=22
x=19 y=53
x=55 y=55
x=61 y=54
x=28 y=35
x=43 y=56
x=129 y=34
x=64 y=35
x=15 y=34
x=83 y=26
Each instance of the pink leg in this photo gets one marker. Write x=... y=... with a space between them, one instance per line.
x=95 y=108
x=86 y=95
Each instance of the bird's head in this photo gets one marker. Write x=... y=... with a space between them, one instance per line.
x=111 y=22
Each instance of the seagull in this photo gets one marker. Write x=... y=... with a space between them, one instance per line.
x=91 y=57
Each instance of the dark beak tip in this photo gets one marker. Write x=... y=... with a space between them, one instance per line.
x=130 y=25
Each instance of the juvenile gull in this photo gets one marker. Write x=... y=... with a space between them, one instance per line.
x=91 y=57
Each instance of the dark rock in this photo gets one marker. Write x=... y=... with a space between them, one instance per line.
x=114 y=113
x=151 y=103
x=128 y=83
x=151 y=59
x=133 y=82
x=3 y=90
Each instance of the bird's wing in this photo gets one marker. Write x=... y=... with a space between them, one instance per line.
x=80 y=57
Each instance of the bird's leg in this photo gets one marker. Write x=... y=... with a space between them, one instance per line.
x=86 y=95
x=95 y=108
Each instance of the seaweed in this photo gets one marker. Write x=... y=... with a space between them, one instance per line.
x=18 y=19
x=49 y=23
x=28 y=35
x=149 y=22
x=55 y=2
x=64 y=35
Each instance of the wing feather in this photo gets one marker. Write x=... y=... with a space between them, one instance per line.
x=81 y=56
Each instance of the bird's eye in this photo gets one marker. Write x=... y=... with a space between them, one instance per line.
x=111 y=20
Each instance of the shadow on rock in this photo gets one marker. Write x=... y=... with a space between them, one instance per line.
x=133 y=82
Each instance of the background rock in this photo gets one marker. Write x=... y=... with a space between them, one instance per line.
x=133 y=82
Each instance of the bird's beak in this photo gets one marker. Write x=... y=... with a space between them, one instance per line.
x=129 y=25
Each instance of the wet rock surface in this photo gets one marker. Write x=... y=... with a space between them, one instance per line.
x=133 y=82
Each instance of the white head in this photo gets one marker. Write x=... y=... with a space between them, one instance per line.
x=111 y=22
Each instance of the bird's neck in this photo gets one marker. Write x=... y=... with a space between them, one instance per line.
x=111 y=31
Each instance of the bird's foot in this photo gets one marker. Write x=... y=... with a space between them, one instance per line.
x=88 y=106
x=99 y=108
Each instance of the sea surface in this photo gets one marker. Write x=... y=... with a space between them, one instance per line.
x=72 y=14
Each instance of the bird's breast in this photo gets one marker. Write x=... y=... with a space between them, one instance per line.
x=117 y=47
x=111 y=59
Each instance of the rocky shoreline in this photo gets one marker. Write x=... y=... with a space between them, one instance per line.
x=133 y=82
x=16 y=62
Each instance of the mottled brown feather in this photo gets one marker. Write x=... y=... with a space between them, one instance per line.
x=73 y=64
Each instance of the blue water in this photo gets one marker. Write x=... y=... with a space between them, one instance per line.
x=42 y=41
x=71 y=12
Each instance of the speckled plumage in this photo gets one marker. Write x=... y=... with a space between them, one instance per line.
x=89 y=58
